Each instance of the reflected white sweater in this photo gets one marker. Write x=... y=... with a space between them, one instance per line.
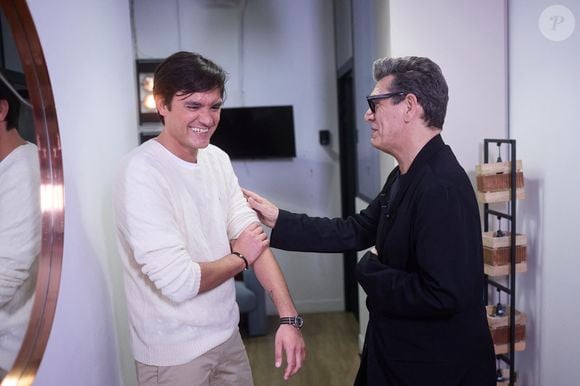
x=20 y=236
x=171 y=215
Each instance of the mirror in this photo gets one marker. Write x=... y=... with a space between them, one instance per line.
x=31 y=198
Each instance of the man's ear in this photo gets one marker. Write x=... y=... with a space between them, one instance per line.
x=4 y=107
x=161 y=106
x=412 y=107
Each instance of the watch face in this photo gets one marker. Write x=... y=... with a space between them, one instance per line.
x=298 y=321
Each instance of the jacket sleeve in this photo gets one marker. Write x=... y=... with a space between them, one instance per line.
x=299 y=232
x=441 y=275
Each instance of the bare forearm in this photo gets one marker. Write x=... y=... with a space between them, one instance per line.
x=216 y=272
x=289 y=341
x=269 y=274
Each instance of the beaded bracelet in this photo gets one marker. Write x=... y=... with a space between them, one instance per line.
x=241 y=257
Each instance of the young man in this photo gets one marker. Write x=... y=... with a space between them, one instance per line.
x=185 y=230
x=20 y=228
x=424 y=278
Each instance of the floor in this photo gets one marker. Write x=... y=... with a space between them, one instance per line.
x=332 y=352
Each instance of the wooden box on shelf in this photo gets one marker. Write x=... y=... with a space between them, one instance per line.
x=500 y=330
x=494 y=182
x=496 y=253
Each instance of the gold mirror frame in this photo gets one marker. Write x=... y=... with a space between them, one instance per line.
x=24 y=32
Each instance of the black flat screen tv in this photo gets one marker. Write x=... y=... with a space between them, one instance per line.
x=256 y=132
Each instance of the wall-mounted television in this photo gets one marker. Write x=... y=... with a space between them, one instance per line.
x=256 y=132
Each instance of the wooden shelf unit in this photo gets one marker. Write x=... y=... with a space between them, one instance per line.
x=503 y=182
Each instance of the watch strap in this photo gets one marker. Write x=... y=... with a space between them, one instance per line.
x=294 y=321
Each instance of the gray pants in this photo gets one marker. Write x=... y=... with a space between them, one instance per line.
x=226 y=364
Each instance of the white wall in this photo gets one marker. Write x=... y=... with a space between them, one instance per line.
x=87 y=46
x=343 y=31
x=544 y=116
x=276 y=52
x=468 y=41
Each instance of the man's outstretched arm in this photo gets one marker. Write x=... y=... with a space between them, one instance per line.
x=288 y=338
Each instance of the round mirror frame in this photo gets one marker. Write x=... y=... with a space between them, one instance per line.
x=24 y=32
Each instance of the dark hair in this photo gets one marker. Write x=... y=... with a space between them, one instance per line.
x=421 y=77
x=13 y=106
x=186 y=73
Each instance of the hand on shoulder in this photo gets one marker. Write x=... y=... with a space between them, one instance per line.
x=267 y=212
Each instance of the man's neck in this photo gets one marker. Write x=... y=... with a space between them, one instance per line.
x=9 y=140
x=169 y=143
x=415 y=143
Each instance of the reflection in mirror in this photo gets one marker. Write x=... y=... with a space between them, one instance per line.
x=31 y=198
x=20 y=225
x=20 y=216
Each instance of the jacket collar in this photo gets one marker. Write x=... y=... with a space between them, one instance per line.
x=432 y=147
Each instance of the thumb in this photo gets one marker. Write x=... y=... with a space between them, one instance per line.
x=278 y=353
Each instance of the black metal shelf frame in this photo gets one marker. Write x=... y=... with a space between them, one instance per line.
x=511 y=217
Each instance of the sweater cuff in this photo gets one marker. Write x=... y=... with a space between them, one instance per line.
x=196 y=268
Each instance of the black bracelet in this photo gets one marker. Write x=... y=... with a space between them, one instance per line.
x=238 y=254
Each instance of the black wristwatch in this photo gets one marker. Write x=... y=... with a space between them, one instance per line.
x=294 y=321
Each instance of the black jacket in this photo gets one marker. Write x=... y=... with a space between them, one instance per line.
x=427 y=323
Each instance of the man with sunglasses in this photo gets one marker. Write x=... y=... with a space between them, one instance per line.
x=424 y=276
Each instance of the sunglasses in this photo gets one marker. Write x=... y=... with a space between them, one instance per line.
x=372 y=99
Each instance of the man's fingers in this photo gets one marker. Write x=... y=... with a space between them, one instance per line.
x=278 y=354
x=299 y=354
x=255 y=204
x=256 y=229
x=254 y=200
x=299 y=360
x=251 y=195
x=252 y=227
x=291 y=360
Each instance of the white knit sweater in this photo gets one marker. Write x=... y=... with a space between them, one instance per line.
x=170 y=215
x=20 y=235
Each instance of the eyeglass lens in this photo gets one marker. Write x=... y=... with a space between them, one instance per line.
x=371 y=99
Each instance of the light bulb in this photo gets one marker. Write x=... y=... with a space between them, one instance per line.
x=149 y=102
x=147 y=83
